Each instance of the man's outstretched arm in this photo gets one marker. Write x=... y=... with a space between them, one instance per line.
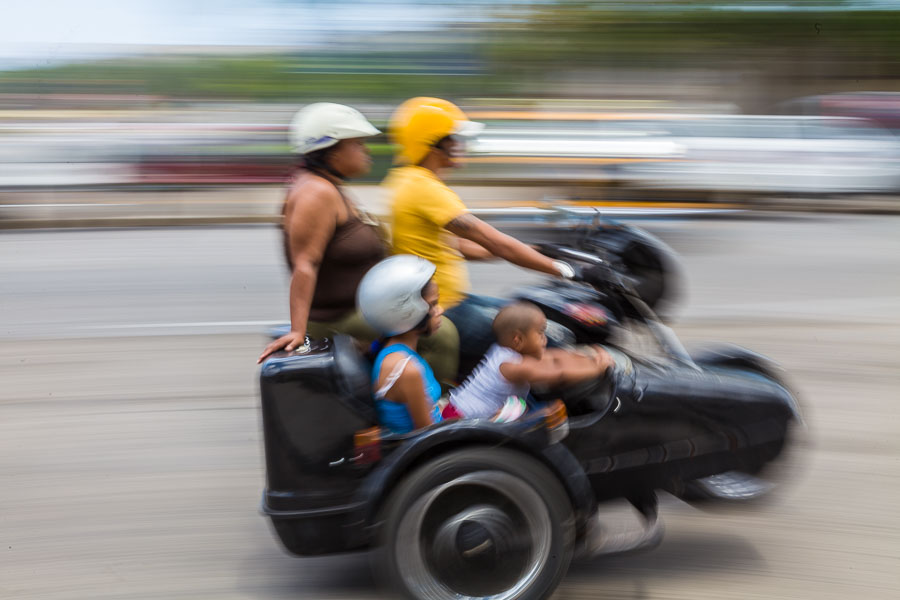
x=470 y=227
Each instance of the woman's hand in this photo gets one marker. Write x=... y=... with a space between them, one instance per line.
x=310 y=218
x=289 y=341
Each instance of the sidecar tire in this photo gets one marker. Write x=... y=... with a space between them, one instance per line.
x=475 y=523
x=731 y=486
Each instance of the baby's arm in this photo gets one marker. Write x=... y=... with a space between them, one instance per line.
x=576 y=366
x=556 y=367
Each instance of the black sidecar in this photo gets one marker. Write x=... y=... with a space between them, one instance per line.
x=473 y=508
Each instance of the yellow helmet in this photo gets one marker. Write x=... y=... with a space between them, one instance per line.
x=419 y=123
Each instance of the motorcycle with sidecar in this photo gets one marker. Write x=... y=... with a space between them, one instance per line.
x=482 y=509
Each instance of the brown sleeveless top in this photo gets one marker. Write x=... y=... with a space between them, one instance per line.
x=354 y=248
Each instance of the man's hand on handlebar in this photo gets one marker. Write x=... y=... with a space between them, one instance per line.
x=289 y=341
x=585 y=267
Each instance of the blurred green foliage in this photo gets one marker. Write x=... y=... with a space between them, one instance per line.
x=524 y=45
x=583 y=33
x=272 y=77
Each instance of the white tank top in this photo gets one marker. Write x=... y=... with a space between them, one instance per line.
x=485 y=391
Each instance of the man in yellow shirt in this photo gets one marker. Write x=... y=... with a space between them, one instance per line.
x=428 y=219
x=422 y=206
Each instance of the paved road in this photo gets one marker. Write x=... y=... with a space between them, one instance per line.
x=130 y=457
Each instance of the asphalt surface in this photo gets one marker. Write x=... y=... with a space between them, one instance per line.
x=130 y=443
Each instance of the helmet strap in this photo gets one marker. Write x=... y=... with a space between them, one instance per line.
x=317 y=163
x=421 y=325
x=439 y=146
x=327 y=169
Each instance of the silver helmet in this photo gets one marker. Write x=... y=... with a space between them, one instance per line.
x=390 y=294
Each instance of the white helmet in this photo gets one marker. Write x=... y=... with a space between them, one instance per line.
x=390 y=294
x=324 y=124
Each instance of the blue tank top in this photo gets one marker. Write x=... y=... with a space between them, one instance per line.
x=394 y=415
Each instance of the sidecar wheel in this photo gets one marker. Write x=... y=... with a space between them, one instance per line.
x=731 y=486
x=476 y=523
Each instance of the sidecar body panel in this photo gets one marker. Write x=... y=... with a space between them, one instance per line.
x=672 y=423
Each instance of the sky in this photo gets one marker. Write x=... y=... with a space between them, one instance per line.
x=240 y=22
x=37 y=31
x=116 y=21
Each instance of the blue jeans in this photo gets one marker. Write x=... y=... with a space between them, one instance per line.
x=473 y=318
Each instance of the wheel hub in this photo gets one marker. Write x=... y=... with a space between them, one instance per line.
x=480 y=535
x=474 y=541
x=478 y=549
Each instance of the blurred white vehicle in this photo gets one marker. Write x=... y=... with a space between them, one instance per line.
x=777 y=155
x=694 y=152
x=580 y=147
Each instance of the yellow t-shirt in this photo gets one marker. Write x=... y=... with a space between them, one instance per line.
x=421 y=205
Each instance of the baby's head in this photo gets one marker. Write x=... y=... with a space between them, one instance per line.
x=521 y=326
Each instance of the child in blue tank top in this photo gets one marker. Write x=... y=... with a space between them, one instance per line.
x=399 y=299
x=395 y=415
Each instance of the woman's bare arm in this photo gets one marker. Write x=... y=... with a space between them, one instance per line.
x=310 y=224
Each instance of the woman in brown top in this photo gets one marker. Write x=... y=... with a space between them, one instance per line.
x=329 y=243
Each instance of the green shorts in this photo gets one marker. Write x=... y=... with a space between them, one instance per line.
x=440 y=350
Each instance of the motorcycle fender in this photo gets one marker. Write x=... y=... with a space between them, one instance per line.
x=732 y=355
x=378 y=485
x=617 y=238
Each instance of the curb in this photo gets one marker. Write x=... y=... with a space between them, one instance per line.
x=128 y=222
x=261 y=206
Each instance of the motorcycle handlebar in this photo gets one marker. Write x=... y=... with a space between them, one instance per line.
x=559 y=251
x=596 y=272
